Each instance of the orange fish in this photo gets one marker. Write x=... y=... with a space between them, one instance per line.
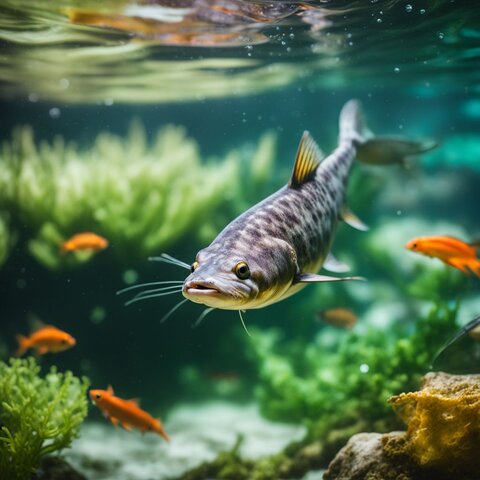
x=126 y=412
x=84 y=241
x=46 y=339
x=450 y=250
x=338 y=317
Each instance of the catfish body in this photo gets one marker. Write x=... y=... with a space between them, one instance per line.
x=277 y=246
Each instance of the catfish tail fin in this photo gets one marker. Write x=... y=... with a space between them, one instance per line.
x=352 y=123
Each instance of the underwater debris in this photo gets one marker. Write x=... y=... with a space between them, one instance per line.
x=167 y=194
x=443 y=420
x=38 y=416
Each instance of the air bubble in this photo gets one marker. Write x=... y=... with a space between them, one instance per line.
x=408 y=8
x=396 y=69
x=54 y=112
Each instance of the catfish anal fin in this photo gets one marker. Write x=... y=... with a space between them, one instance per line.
x=308 y=157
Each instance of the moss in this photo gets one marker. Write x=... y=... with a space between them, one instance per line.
x=142 y=196
x=38 y=416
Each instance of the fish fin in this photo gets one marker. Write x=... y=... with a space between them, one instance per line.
x=23 y=345
x=161 y=431
x=114 y=420
x=475 y=243
x=314 y=278
x=391 y=150
x=134 y=401
x=334 y=265
x=459 y=263
x=308 y=157
x=110 y=390
x=34 y=322
x=351 y=219
x=474 y=266
x=43 y=350
x=127 y=426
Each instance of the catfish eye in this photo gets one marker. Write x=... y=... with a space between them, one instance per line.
x=194 y=266
x=242 y=271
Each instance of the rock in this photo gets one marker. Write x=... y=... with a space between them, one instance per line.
x=363 y=458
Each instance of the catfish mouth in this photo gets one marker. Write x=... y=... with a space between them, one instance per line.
x=200 y=289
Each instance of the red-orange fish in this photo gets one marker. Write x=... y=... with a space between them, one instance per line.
x=126 y=412
x=46 y=339
x=338 y=317
x=84 y=241
x=450 y=250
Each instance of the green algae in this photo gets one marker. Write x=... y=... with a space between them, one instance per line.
x=350 y=384
x=143 y=196
x=38 y=416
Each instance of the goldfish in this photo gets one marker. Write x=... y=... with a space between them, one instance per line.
x=126 y=412
x=450 y=250
x=47 y=339
x=84 y=241
x=338 y=317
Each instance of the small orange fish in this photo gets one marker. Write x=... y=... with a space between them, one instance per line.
x=84 y=241
x=126 y=412
x=46 y=339
x=450 y=250
x=338 y=317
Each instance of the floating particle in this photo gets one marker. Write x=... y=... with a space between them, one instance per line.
x=97 y=315
x=422 y=11
x=408 y=8
x=130 y=276
x=441 y=35
x=396 y=69
x=364 y=368
x=54 y=112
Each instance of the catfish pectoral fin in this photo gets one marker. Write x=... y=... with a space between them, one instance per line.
x=314 y=278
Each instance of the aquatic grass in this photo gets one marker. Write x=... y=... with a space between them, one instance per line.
x=38 y=416
x=143 y=196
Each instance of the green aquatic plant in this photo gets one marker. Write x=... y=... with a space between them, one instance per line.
x=346 y=385
x=38 y=416
x=142 y=196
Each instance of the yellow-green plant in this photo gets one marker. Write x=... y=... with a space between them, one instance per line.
x=142 y=196
x=38 y=416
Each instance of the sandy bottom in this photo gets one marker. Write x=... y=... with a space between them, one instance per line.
x=198 y=433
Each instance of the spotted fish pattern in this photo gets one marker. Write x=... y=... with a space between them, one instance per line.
x=282 y=241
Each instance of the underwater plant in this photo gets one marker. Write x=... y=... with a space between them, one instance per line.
x=348 y=383
x=141 y=196
x=38 y=416
x=5 y=239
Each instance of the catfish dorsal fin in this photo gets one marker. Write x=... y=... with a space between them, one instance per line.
x=308 y=157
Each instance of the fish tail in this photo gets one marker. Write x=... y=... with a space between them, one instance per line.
x=474 y=266
x=23 y=345
x=352 y=123
x=376 y=150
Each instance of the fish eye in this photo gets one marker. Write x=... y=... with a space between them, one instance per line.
x=242 y=271
x=414 y=245
x=194 y=266
x=97 y=396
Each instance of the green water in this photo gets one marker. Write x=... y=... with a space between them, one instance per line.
x=81 y=108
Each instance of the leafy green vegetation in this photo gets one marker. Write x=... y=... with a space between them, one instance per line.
x=38 y=416
x=143 y=195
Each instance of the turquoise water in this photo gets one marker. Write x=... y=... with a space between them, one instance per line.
x=228 y=73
